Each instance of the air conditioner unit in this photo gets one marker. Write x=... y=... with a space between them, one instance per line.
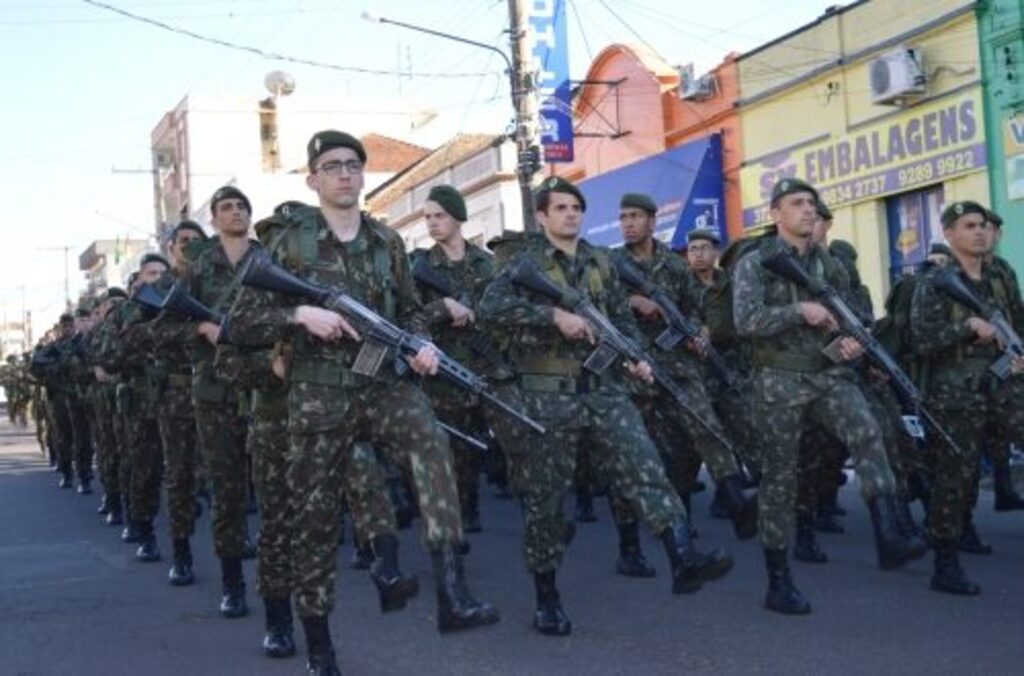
x=692 y=88
x=897 y=75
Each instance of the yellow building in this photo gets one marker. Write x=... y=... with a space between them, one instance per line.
x=879 y=105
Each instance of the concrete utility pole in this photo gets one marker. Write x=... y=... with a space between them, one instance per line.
x=524 y=98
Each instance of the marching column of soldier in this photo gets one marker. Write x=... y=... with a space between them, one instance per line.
x=332 y=366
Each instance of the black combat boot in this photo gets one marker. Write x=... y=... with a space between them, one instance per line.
x=806 y=548
x=66 y=481
x=232 y=603
x=394 y=587
x=691 y=568
x=893 y=548
x=181 y=574
x=970 y=541
x=362 y=554
x=1007 y=498
x=719 y=509
x=742 y=510
x=115 y=517
x=279 y=640
x=147 y=552
x=471 y=511
x=321 y=660
x=85 y=486
x=456 y=608
x=783 y=596
x=585 y=505
x=130 y=534
x=104 y=507
x=550 y=618
x=949 y=576
x=632 y=562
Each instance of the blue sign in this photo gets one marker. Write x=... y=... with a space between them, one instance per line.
x=685 y=182
x=550 y=50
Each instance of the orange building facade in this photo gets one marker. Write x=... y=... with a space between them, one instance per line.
x=631 y=108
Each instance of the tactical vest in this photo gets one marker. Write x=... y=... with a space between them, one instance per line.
x=776 y=351
x=959 y=314
x=717 y=304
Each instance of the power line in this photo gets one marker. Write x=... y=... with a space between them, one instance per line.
x=268 y=55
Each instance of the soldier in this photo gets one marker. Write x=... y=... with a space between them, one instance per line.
x=547 y=348
x=959 y=348
x=664 y=418
x=78 y=372
x=125 y=350
x=998 y=450
x=176 y=418
x=212 y=276
x=464 y=269
x=331 y=405
x=795 y=384
x=46 y=366
x=104 y=409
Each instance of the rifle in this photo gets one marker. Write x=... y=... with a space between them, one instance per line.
x=679 y=325
x=612 y=343
x=382 y=336
x=459 y=434
x=149 y=299
x=182 y=302
x=952 y=284
x=785 y=265
x=479 y=342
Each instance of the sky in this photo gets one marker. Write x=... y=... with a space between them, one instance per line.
x=84 y=87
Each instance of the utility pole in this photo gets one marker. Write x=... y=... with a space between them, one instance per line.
x=524 y=98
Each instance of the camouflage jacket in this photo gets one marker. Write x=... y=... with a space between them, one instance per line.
x=956 y=365
x=171 y=338
x=537 y=348
x=785 y=350
x=669 y=273
x=123 y=348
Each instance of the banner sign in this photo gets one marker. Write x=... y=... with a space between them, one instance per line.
x=924 y=145
x=550 y=50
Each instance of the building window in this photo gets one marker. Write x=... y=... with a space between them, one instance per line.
x=914 y=224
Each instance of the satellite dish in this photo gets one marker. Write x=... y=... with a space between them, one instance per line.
x=279 y=83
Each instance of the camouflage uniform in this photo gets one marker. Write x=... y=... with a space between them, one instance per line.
x=47 y=366
x=78 y=371
x=331 y=407
x=794 y=384
x=574 y=406
x=962 y=392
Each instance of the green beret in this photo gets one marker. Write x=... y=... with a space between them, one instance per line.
x=995 y=219
x=188 y=225
x=940 y=249
x=788 y=186
x=638 y=201
x=114 y=292
x=705 y=234
x=82 y=312
x=958 y=209
x=842 y=249
x=450 y=200
x=824 y=213
x=557 y=184
x=228 y=192
x=322 y=141
x=67 y=318
x=153 y=258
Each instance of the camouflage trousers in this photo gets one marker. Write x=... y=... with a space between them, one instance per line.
x=178 y=436
x=968 y=419
x=146 y=467
x=736 y=407
x=541 y=470
x=362 y=485
x=221 y=432
x=467 y=459
x=398 y=420
x=104 y=414
x=81 y=437
x=60 y=433
x=268 y=445
x=839 y=407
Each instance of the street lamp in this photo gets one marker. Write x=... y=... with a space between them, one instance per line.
x=527 y=154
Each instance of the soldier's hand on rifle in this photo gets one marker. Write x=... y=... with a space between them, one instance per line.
x=850 y=349
x=278 y=367
x=460 y=314
x=818 y=316
x=573 y=327
x=1017 y=365
x=209 y=331
x=425 y=362
x=648 y=310
x=101 y=374
x=984 y=332
x=640 y=370
x=324 y=324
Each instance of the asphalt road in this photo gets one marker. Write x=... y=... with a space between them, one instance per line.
x=74 y=601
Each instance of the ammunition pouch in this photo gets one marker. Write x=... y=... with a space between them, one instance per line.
x=559 y=376
x=321 y=372
x=207 y=389
x=789 y=361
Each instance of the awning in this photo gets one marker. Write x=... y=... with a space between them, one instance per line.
x=685 y=182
